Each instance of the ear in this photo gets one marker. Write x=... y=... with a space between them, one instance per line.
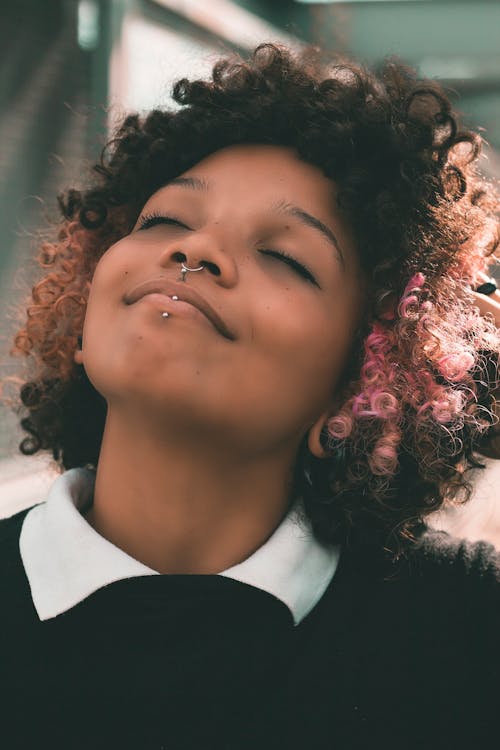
x=314 y=436
x=78 y=354
x=386 y=305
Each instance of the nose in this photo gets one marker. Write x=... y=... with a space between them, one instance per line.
x=207 y=255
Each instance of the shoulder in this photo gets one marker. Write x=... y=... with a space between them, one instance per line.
x=16 y=603
x=11 y=527
x=10 y=531
x=439 y=554
x=433 y=554
x=437 y=568
x=441 y=594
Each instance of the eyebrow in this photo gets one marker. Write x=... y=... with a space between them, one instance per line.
x=281 y=207
x=191 y=182
x=310 y=221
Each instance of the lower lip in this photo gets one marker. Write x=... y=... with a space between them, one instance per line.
x=175 y=308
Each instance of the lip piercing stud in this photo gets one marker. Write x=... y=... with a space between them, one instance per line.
x=174 y=296
x=164 y=315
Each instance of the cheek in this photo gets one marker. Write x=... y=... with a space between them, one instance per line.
x=303 y=342
x=109 y=284
x=104 y=324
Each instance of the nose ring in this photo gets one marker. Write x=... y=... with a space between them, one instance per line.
x=185 y=269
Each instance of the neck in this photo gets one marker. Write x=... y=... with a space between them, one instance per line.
x=185 y=509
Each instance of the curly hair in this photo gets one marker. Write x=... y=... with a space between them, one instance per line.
x=417 y=392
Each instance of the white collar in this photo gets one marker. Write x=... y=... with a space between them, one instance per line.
x=66 y=560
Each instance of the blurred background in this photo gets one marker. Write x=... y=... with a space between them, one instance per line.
x=70 y=69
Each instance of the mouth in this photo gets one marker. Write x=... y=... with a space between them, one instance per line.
x=182 y=292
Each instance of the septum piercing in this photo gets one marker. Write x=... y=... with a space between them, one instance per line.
x=185 y=269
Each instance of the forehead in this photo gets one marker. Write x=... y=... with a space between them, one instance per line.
x=252 y=177
x=262 y=164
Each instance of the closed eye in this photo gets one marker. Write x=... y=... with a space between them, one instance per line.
x=293 y=263
x=151 y=220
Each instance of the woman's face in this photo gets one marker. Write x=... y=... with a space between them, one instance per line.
x=265 y=372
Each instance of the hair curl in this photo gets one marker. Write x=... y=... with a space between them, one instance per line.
x=416 y=394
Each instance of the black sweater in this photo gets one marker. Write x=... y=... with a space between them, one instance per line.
x=393 y=656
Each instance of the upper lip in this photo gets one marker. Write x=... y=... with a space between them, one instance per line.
x=183 y=292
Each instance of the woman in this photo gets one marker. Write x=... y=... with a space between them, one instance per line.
x=281 y=371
